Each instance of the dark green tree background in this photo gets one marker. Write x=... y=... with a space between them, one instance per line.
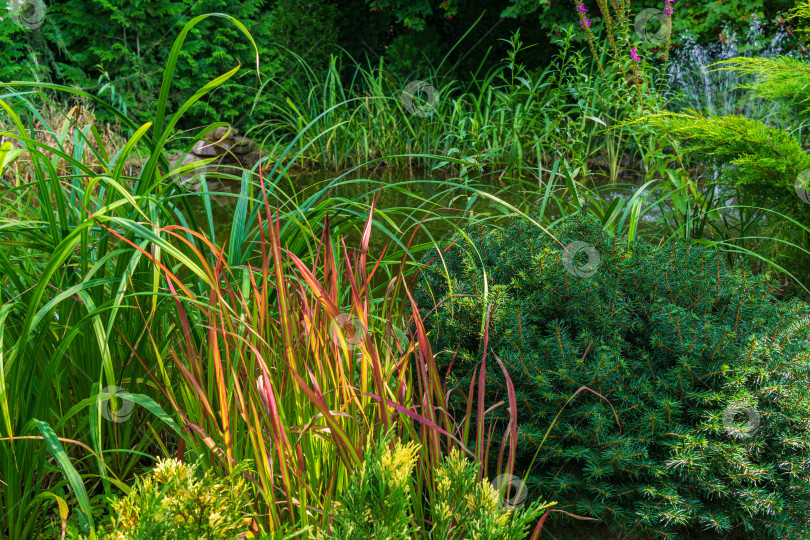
x=117 y=48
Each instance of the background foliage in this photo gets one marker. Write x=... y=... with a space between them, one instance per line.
x=118 y=48
x=765 y=166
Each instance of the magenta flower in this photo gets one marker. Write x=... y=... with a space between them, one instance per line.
x=583 y=9
x=633 y=55
x=668 y=9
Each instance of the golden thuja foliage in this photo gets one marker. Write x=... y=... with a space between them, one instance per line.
x=378 y=501
x=175 y=502
x=466 y=507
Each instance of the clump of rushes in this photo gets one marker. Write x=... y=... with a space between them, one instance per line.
x=617 y=20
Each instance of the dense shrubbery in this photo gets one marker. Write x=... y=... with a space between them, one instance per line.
x=703 y=18
x=672 y=338
x=79 y=47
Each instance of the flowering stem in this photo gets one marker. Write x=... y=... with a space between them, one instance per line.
x=586 y=24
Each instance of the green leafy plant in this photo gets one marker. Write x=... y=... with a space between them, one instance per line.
x=7 y=155
x=120 y=50
x=677 y=343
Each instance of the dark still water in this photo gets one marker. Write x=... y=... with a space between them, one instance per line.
x=407 y=196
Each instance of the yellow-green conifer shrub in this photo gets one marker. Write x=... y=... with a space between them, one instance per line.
x=377 y=502
x=175 y=502
x=471 y=509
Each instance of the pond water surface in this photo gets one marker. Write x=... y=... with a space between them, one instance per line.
x=407 y=196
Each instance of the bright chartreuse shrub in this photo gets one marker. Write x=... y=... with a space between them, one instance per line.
x=700 y=426
x=378 y=501
x=178 y=501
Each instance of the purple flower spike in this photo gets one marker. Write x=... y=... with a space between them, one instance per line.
x=583 y=9
x=633 y=55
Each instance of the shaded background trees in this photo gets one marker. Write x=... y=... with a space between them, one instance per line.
x=118 y=48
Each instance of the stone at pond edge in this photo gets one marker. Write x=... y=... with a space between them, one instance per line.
x=230 y=154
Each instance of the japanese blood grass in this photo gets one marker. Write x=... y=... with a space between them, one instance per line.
x=291 y=364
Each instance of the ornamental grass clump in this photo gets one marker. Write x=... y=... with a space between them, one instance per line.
x=696 y=423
